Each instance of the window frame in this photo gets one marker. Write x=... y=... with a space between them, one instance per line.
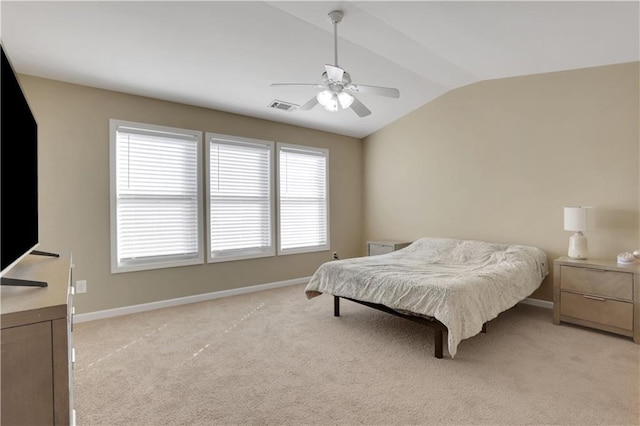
x=307 y=249
x=155 y=262
x=241 y=254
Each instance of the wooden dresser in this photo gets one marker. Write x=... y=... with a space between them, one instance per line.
x=599 y=294
x=36 y=345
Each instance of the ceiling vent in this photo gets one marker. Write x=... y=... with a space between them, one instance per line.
x=281 y=105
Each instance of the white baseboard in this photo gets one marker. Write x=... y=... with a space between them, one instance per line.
x=537 y=302
x=126 y=310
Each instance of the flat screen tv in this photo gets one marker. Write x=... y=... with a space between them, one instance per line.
x=18 y=171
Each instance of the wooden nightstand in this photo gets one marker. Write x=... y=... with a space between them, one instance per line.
x=384 y=247
x=598 y=294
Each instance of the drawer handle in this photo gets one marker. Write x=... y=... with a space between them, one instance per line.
x=601 y=299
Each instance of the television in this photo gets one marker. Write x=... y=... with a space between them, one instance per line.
x=18 y=173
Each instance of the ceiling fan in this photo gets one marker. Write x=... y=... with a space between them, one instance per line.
x=336 y=84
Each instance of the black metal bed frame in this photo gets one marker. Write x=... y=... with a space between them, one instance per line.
x=437 y=326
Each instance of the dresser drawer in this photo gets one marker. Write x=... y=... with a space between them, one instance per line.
x=614 y=284
x=608 y=312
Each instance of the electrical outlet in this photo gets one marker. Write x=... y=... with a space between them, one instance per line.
x=335 y=255
x=81 y=286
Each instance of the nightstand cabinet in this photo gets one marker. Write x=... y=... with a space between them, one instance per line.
x=383 y=247
x=599 y=294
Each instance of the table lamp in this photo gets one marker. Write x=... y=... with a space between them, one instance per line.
x=577 y=219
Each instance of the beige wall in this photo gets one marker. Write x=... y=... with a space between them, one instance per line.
x=74 y=192
x=498 y=161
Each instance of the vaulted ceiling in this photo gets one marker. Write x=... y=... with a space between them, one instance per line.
x=225 y=55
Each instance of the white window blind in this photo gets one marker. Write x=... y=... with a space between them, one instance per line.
x=303 y=199
x=156 y=196
x=240 y=198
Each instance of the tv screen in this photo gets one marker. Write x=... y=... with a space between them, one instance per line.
x=18 y=171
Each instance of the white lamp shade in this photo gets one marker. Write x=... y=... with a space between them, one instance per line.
x=345 y=99
x=332 y=103
x=324 y=97
x=578 y=219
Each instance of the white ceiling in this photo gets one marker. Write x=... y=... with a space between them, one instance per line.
x=225 y=55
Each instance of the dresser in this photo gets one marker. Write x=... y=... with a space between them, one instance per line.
x=383 y=247
x=36 y=345
x=599 y=294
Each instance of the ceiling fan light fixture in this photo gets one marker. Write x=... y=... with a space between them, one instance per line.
x=345 y=99
x=335 y=81
x=324 y=97
x=332 y=104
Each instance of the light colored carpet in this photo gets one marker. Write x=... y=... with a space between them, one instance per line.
x=275 y=357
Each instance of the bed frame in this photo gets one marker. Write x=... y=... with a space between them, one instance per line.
x=437 y=326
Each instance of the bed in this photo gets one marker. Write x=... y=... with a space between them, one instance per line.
x=454 y=286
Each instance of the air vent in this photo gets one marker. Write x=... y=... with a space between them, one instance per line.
x=281 y=105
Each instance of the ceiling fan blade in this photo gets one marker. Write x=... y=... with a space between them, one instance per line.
x=374 y=90
x=310 y=104
x=297 y=84
x=334 y=73
x=359 y=108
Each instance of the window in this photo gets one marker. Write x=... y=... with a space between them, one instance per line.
x=156 y=196
x=240 y=198
x=157 y=210
x=303 y=200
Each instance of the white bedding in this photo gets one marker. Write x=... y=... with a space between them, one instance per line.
x=461 y=283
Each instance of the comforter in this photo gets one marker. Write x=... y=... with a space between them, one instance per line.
x=461 y=283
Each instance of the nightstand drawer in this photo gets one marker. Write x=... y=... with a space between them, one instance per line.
x=603 y=311
x=600 y=282
x=375 y=248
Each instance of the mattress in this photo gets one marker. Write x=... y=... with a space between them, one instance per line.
x=461 y=283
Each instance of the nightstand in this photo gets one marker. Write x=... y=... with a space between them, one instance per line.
x=384 y=247
x=598 y=294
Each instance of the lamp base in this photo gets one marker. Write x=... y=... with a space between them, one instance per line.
x=578 y=246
